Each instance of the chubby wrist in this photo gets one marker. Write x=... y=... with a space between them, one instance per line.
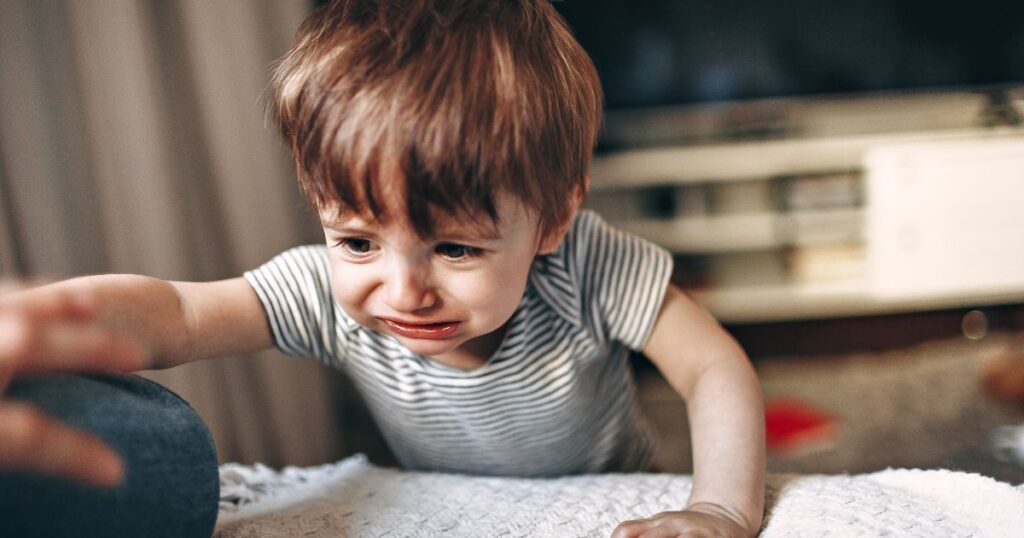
x=749 y=522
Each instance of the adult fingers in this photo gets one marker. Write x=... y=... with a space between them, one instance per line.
x=34 y=442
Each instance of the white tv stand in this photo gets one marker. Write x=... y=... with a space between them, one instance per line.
x=770 y=203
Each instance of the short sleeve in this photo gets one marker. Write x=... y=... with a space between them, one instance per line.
x=294 y=288
x=623 y=279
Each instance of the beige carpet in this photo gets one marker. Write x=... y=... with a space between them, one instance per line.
x=922 y=407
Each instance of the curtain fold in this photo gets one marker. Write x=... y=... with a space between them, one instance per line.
x=134 y=139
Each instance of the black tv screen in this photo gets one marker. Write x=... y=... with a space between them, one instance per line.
x=667 y=52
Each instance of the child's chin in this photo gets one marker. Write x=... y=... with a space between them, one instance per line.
x=430 y=348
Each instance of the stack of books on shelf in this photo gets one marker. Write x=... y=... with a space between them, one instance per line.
x=757 y=232
x=823 y=224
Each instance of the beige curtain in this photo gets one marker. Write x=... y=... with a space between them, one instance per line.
x=134 y=138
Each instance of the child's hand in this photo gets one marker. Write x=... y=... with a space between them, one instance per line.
x=42 y=332
x=702 y=519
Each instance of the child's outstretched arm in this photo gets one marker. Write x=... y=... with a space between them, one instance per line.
x=725 y=407
x=175 y=322
x=55 y=334
x=107 y=324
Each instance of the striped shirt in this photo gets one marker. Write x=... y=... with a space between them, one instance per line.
x=557 y=397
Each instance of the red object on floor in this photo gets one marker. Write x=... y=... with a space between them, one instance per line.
x=793 y=425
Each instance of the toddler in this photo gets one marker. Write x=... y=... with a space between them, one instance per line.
x=485 y=318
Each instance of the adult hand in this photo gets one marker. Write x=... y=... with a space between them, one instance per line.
x=702 y=519
x=47 y=330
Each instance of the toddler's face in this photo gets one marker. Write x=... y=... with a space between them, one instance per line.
x=443 y=297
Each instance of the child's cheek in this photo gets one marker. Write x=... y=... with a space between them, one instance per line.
x=492 y=294
x=352 y=294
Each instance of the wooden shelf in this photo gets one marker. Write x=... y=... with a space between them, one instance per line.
x=783 y=302
x=727 y=200
x=755 y=160
x=750 y=231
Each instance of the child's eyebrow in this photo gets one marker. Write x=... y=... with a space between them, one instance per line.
x=468 y=232
x=346 y=225
x=447 y=232
x=337 y=218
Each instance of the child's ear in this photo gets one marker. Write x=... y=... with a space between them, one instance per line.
x=550 y=243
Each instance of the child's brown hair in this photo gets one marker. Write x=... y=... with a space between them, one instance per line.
x=444 y=104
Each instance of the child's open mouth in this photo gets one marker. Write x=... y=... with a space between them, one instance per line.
x=430 y=331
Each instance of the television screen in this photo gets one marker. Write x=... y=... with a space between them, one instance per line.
x=667 y=52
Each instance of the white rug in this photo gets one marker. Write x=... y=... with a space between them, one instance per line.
x=354 y=498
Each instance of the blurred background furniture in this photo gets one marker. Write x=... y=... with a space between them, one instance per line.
x=842 y=186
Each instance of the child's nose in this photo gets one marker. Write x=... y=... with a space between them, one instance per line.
x=407 y=289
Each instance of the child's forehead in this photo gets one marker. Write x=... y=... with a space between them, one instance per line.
x=477 y=225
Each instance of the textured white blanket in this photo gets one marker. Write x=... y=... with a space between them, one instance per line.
x=355 y=498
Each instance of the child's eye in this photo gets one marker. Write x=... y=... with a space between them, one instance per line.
x=356 y=246
x=454 y=251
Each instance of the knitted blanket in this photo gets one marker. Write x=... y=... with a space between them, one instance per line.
x=355 y=498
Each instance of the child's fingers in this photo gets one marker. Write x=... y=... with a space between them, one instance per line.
x=10 y=285
x=34 y=442
x=86 y=347
x=29 y=347
x=51 y=304
x=664 y=531
x=632 y=528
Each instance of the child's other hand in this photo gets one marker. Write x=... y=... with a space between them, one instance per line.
x=702 y=519
x=53 y=331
